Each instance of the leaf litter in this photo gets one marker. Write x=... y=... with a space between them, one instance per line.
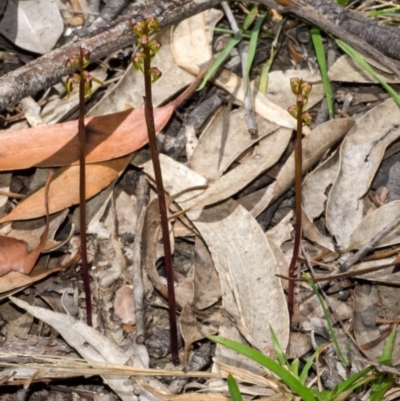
x=230 y=287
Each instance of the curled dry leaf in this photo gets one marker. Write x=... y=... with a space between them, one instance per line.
x=360 y=156
x=265 y=155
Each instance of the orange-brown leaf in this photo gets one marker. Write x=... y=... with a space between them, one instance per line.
x=107 y=137
x=64 y=189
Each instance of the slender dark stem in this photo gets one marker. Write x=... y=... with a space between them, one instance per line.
x=298 y=157
x=82 y=195
x=149 y=116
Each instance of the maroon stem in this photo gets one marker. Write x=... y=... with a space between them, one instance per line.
x=298 y=157
x=149 y=116
x=82 y=195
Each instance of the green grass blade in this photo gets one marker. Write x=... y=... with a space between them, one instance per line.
x=386 y=357
x=294 y=367
x=220 y=59
x=253 y=43
x=307 y=366
x=292 y=382
x=251 y=16
x=385 y=381
x=328 y=320
x=361 y=61
x=353 y=381
x=381 y=386
x=278 y=350
x=234 y=391
x=321 y=58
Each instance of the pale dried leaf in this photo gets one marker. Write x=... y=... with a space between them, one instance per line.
x=311 y=232
x=265 y=155
x=282 y=232
x=360 y=156
x=191 y=42
x=347 y=70
x=33 y=25
x=279 y=90
x=315 y=185
x=373 y=223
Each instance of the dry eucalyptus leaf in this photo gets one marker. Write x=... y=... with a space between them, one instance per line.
x=282 y=232
x=265 y=155
x=373 y=223
x=279 y=90
x=315 y=185
x=64 y=192
x=33 y=25
x=372 y=302
x=315 y=145
x=191 y=42
x=361 y=153
x=224 y=139
x=242 y=256
x=91 y=344
x=347 y=70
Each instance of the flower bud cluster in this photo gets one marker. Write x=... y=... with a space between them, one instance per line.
x=80 y=62
x=301 y=89
x=146 y=47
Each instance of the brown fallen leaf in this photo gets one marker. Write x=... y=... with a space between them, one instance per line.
x=14 y=253
x=108 y=137
x=64 y=190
